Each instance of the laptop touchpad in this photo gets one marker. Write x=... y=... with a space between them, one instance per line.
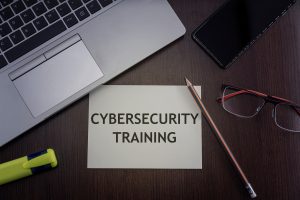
x=58 y=78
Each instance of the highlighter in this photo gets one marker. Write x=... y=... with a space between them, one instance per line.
x=27 y=166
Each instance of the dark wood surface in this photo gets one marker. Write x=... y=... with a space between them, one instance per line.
x=269 y=156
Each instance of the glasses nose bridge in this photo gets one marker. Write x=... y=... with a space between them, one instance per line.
x=272 y=100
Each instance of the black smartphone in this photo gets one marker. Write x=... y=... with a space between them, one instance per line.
x=236 y=25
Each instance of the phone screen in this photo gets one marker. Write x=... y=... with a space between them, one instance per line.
x=228 y=32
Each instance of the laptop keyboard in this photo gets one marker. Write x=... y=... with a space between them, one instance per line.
x=27 y=24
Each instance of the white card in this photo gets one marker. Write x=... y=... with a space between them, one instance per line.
x=144 y=127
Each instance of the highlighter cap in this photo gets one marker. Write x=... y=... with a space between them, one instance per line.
x=41 y=161
x=27 y=166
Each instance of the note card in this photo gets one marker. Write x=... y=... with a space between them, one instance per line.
x=144 y=127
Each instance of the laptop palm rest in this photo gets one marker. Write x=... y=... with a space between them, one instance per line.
x=58 y=78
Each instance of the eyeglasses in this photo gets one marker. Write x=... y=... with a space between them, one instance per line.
x=248 y=103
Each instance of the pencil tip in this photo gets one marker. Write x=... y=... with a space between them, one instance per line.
x=188 y=83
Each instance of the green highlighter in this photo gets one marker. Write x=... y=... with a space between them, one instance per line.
x=27 y=166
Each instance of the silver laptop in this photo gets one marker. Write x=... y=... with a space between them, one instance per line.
x=53 y=52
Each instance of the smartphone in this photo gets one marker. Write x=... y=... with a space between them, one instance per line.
x=230 y=31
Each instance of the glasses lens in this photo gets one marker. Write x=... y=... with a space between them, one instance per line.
x=241 y=102
x=288 y=117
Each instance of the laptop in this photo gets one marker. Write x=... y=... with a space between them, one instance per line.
x=53 y=52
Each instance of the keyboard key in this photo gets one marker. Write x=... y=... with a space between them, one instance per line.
x=5 y=44
x=35 y=41
x=75 y=4
x=51 y=3
x=18 y=6
x=82 y=13
x=27 y=16
x=16 y=37
x=40 y=23
x=63 y=9
x=16 y=22
x=28 y=30
x=93 y=6
x=39 y=9
x=85 y=1
x=62 y=1
x=4 y=29
x=70 y=20
x=52 y=16
x=6 y=13
x=29 y=2
x=6 y=2
x=3 y=62
x=105 y=2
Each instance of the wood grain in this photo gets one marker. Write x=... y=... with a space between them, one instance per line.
x=269 y=156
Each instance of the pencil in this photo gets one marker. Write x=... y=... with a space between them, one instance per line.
x=221 y=139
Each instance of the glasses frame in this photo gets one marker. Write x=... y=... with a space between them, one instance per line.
x=276 y=101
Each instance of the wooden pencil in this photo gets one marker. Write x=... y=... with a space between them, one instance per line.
x=221 y=139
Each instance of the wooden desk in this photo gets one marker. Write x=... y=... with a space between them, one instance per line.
x=269 y=156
